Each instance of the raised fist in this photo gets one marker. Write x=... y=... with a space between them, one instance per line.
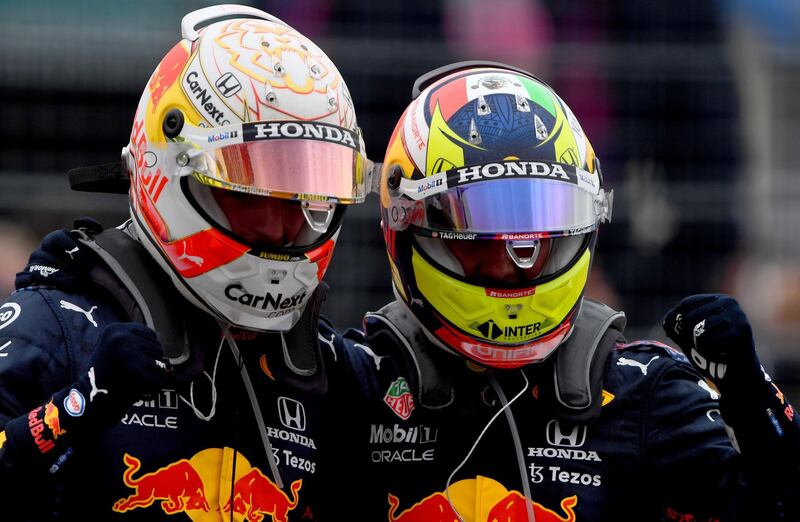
x=126 y=364
x=714 y=333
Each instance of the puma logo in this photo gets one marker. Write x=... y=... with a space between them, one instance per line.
x=197 y=260
x=70 y=252
x=624 y=361
x=75 y=308
x=95 y=390
x=375 y=357
x=329 y=343
x=711 y=391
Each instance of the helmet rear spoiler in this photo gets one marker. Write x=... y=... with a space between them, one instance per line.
x=109 y=178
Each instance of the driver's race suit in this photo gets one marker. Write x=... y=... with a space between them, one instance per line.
x=193 y=451
x=657 y=449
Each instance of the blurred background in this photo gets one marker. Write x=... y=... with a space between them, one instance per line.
x=689 y=105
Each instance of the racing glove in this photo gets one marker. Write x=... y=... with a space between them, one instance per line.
x=125 y=365
x=714 y=333
x=716 y=336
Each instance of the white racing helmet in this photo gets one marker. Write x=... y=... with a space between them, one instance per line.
x=243 y=154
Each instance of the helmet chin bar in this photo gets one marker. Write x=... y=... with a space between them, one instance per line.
x=318 y=215
x=520 y=261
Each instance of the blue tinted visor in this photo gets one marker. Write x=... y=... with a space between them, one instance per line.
x=511 y=206
x=510 y=197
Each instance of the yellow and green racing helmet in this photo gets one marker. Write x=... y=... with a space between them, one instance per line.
x=491 y=195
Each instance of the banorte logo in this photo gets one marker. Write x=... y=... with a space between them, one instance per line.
x=181 y=487
x=503 y=505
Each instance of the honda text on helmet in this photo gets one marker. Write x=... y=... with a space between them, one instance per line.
x=491 y=196
x=244 y=151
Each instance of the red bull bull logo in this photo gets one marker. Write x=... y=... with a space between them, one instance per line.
x=181 y=487
x=494 y=504
x=178 y=486
x=433 y=508
x=52 y=420
x=168 y=71
x=255 y=495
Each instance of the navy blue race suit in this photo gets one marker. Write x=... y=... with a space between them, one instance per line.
x=658 y=449
x=162 y=460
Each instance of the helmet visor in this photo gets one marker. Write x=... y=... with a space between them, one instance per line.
x=511 y=206
x=511 y=200
x=292 y=160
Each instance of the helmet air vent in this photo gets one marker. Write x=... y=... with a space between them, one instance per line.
x=483 y=107
x=474 y=135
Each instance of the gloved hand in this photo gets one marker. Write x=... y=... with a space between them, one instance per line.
x=67 y=262
x=714 y=333
x=126 y=364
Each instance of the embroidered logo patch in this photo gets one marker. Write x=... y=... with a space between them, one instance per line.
x=399 y=398
x=74 y=403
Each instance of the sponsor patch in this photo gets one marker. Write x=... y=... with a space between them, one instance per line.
x=516 y=169
x=36 y=426
x=8 y=314
x=399 y=398
x=607 y=397
x=66 y=305
x=510 y=294
x=228 y=85
x=74 y=403
x=204 y=98
x=277 y=305
x=300 y=130
x=565 y=436
x=396 y=434
x=43 y=270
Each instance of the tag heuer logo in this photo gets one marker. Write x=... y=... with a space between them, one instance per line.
x=399 y=398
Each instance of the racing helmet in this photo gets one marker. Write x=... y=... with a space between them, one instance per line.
x=243 y=155
x=491 y=195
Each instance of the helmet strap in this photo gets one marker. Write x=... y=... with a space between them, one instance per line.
x=394 y=331
x=580 y=361
x=109 y=178
x=301 y=344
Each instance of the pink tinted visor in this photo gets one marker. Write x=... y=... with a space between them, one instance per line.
x=293 y=160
